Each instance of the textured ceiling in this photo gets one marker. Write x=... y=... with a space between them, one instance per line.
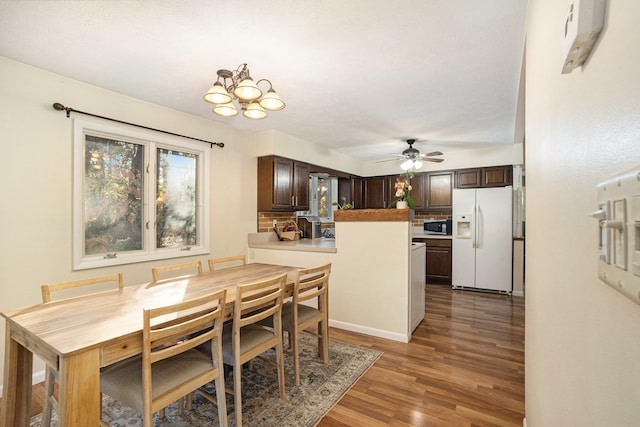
x=358 y=76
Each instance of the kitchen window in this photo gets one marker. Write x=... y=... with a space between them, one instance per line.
x=322 y=193
x=137 y=196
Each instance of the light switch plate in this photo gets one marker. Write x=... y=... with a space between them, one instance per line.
x=619 y=233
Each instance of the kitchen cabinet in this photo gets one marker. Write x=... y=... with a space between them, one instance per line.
x=469 y=178
x=418 y=192
x=376 y=192
x=438 y=190
x=283 y=184
x=494 y=176
x=438 y=260
x=357 y=192
x=351 y=188
x=497 y=176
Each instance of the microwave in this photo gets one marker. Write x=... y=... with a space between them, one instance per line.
x=438 y=226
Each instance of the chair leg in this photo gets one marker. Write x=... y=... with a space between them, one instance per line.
x=296 y=354
x=237 y=392
x=280 y=364
x=49 y=384
x=323 y=328
x=221 y=398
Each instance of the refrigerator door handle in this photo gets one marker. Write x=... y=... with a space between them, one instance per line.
x=478 y=230
x=474 y=242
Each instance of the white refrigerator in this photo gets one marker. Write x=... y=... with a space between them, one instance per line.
x=482 y=238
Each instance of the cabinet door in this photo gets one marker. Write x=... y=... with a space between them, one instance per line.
x=439 y=186
x=418 y=191
x=356 y=193
x=438 y=260
x=498 y=176
x=282 y=184
x=300 y=186
x=468 y=178
x=375 y=190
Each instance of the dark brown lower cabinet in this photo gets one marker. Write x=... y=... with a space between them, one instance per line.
x=438 y=260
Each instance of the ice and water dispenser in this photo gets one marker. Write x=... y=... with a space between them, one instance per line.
x=463 y=226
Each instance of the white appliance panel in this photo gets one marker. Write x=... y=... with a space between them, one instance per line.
x=483 y=261
x=494 y=241
x=463 y=251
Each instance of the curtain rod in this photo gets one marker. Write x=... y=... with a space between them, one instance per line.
x=60 y=107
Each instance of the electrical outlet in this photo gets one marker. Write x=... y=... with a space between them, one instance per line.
x=275 y=223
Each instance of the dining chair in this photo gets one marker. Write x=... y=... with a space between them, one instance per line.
x=246 y=339
x=171 y=367
x=230 y=259
x=311 y=283
x=51 y=374
x=169 y=268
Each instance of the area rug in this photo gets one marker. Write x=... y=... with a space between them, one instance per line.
x=320 y=389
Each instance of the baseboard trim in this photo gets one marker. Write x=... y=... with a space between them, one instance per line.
x=524 y=422
x=369 y=331
x=518 y=294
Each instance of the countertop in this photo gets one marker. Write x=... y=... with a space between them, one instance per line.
x=418 y=233
x=270 y=241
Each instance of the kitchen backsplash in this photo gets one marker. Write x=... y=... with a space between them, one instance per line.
x=419 y=217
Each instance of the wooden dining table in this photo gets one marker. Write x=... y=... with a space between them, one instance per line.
x=80 y=335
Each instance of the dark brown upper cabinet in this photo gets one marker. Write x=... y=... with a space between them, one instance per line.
x=283 y=184
x=438 y=190
x=494 y=176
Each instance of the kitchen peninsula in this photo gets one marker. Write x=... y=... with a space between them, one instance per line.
x=371 y=268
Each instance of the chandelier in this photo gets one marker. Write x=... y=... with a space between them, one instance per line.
x=239 y=85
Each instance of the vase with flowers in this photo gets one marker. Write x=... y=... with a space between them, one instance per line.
x=403 y=187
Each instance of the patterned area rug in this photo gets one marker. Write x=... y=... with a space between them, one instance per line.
x=320 y=389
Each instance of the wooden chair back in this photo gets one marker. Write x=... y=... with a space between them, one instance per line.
x=155 y=271
x=48 y=289
x=230 y=259
x=171 y=330
x=313 y=283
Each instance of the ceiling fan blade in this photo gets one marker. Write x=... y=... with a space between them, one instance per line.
x=387 y=160
x=434 y=153
x=428 y=159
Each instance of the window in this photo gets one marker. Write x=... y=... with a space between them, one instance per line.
x=137 y=196
x=322 y=191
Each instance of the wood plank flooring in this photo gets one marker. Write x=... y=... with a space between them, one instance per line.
x=463 y=367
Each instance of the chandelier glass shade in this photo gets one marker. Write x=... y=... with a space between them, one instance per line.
x=239 y=86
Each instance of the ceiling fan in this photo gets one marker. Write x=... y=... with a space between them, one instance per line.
x=413 y=158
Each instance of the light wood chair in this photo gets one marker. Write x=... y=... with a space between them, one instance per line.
x=311 y=283
x=155 y=271
x=51 y=374
x=171 y=366
x=230 y=259
x=248 y=340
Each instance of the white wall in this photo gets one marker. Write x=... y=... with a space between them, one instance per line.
x=36 y=179
x=582 y=337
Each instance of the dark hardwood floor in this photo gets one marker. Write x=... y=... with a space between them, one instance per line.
x=463 y=367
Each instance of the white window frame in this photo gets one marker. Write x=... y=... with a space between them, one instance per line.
x=152 y=141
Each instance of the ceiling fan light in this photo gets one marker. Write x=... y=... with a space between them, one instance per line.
x=247 y=90
x=406 y=165
x=272 y=101
x=255 y=111
x=217 y=94
x=417 y=164
x=226 y=110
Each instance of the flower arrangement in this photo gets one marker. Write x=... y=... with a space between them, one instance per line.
x=403 y=187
